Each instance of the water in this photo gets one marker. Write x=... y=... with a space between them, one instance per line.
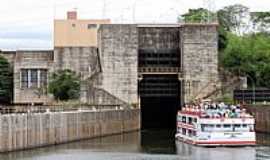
x=145 y=145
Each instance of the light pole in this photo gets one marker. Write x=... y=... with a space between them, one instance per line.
x=253 y=88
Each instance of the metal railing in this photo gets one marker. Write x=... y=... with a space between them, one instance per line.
x=56 y=108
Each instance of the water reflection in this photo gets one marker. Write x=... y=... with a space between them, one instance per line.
x=149 y=144
x=218 y=153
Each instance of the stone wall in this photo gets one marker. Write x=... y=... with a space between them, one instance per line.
x=118 y=46
x=262 y=117
x=199 y=59
x=24 y=131
x=30 y=60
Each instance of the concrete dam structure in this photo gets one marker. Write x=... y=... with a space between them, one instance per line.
x=155 y=67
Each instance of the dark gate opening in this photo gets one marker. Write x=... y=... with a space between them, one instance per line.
x=160 y=100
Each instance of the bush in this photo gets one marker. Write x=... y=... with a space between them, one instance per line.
x=64 y=85
x=6 y=81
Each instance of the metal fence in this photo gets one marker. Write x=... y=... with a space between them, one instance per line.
x=250 y=96
x=56 y=108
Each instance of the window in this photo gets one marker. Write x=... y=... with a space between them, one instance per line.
x=203 y=127
x=189 y=120
x=184 y=131
x=24 y=78
x=91 y=26
x=43 y=78
x=227 y=126
x=190 y=133
x=73 y=25
x=184 y=119
x=244 y=126
x=34 y=78
x=218 y=126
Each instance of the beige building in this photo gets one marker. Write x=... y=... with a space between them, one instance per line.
x=73 y=32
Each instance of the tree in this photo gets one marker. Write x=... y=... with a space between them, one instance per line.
x=6 y=81
x=249 y=55
x=64 y=85
x=261 y=21
x=199 y=15
x=233 y=18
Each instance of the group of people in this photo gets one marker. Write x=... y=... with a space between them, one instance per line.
x=210 y=109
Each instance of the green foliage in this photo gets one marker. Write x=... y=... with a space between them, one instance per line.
x=232 y=18
x=241 y=53
x=261 y=20
x=64 y=85
x=197 y=16
x=249 y=55
x=226 y=98
x=6 y=81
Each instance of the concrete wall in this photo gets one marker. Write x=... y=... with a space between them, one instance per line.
x=262 y=117
x=30 y=60
x=118 y=46
x=24 y=131
x=200 y=59
x=156 y=38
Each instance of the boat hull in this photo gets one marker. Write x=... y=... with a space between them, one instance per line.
x=216 y=143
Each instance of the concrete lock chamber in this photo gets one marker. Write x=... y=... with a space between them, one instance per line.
x=159 y=67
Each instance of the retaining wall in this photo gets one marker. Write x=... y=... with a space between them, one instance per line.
x=262 y=117
x=24 y=131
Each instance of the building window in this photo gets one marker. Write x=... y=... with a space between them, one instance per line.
x=34 y=78
x=24 y=78
x=91 y=26
x=73 y=25
x=43 y=78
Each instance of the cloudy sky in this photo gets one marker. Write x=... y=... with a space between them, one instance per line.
x=28 y=24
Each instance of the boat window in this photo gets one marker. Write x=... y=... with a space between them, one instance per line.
x=251 y=127
x=189 y=120
x=184 y=119
x=194 y=133
x=218 y=126
x=195 y=120
x=211 y=126
x=244 y=125
x=227 y=126
x=184 y=131
x=237 y=125
x=189 y=133
x=203 y=127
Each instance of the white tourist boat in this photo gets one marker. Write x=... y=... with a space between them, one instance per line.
x=221 y=125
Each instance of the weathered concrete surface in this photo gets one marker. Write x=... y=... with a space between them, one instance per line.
x=118 y=46
x=24 y=131
x=159 y=38
x=110 y=70
x=199 y=60
x=262 y=117
x=30 y=60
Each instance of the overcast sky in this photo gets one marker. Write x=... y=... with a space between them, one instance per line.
x=28 y=24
